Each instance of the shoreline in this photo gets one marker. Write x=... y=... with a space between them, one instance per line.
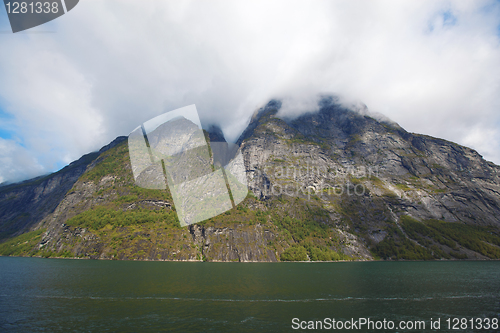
x=270 y=262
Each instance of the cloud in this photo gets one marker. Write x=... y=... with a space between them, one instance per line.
x=16 y=163
x=293 y=106
x=431 y=66
x=53 y=119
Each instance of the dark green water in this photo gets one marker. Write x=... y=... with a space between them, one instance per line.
x=55 y=295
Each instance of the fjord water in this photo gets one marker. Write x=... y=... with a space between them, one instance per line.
x=63 y=295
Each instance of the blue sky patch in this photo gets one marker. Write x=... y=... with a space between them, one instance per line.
x=6 y=120
x=4 y=134
x=449 y=19
x=4 y=20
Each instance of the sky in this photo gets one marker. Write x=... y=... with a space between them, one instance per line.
x=72 y=85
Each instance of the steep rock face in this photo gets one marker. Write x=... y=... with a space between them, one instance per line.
x=237 y=243
x=24 y=205
x=466 y=187
x=422 y=176
x=376 y=180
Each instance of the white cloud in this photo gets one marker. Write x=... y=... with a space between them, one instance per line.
x=486 y=140
x=51 y=102
x=293 y=106
x=16 y=163
x=431 y=66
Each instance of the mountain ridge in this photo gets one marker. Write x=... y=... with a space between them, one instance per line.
x=418 y=197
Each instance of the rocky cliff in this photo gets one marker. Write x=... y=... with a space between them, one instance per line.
x=24 y=205
x=332 y=184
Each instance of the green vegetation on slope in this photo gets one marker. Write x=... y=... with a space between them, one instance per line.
x=294 y=253
x=305 y=225
x=21 y=245
x=99 y=217
x=302 y=229
x=396 y=246
x=109 y=163
x=482 y=240
x=437 y=239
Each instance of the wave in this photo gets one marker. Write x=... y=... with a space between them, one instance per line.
x=305 y=300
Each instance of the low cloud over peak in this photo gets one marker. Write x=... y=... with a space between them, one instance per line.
x=431 y=66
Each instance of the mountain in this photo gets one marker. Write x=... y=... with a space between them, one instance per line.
x=329 y=185
x=25 y=204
